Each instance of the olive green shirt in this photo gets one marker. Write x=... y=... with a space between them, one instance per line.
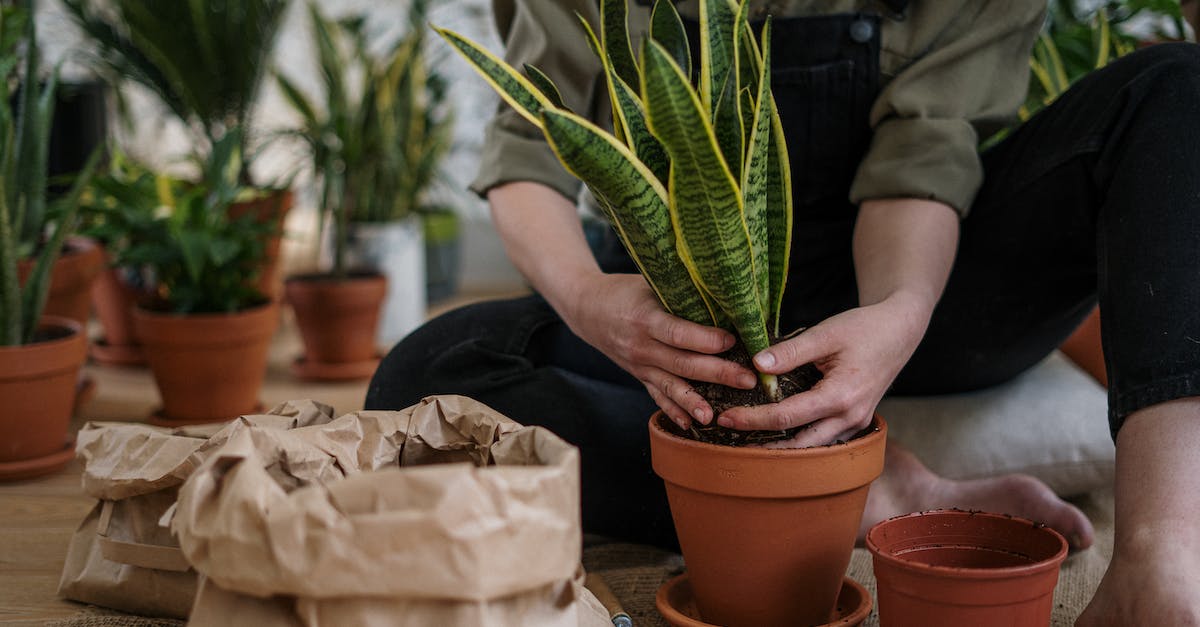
x=953 y=72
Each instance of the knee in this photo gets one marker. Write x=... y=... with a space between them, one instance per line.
x=1173 y=68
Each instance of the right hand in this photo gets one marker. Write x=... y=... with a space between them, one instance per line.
x=620 y=316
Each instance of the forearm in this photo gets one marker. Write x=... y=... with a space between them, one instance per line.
x=1158 y=479
x=543 y=237
x=904 y=248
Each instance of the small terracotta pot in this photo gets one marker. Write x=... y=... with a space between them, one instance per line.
x=37 y=392
x=952 y=568
x=337 y=320
x=208 y=367
x=766 y=533
x=271 y=208
x=81 y=261
x=114 y=301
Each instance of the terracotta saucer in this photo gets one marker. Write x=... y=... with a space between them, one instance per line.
x=38 y=466
x=116 y=354
x=307 y=370
x=159 y=419
x=674 y=601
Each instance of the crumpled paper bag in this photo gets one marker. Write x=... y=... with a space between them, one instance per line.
x=446 y=513
x=120 y=556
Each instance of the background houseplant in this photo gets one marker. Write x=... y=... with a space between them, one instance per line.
x=377 y=144
x=696 y=181
x=39 y=357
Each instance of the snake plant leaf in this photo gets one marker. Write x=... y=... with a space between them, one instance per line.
x=747 y=103
x=633 y=119
x=636 y=203
x=705 y=203
x=666 y=27
x=544 y=85
x=728 y=127
x=614 y=39
x=755 y=180
x=748 y=57
x=717 y=56
x=609 y=71
x=515 y=89
x=779 y=214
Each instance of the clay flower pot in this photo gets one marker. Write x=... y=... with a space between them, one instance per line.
x=37 y=392
x=208 y=367
x=951 y=568
x=337 y=320
x=81 y=261
x=271 y=208
x=766 y=533
x=114 y=300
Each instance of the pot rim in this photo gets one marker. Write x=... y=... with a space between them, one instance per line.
x=963 y=572
x=754 y=452
x=140 y=311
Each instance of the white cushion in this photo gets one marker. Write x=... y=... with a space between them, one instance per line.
x=1051 y=422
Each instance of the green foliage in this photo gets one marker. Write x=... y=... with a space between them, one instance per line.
x=204 y=59
x=181 y=236
x=26 y=226
x=379 y=138
x=694 y=178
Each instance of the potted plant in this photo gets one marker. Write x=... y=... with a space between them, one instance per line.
x=205 y=63
x=206 y=327
x=377 y=144
x=696 y=181
x=40 y=356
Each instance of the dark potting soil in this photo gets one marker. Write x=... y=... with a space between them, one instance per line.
x=721 y=398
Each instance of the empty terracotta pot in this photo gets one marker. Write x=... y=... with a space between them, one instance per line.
x=951 y=568
x=766 y=533
x=208 y=367
x=337 y=320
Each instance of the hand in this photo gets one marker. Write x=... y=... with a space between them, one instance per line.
x=859 y=352
x=620 y=316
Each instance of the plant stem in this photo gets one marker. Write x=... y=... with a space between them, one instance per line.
x=770 y=384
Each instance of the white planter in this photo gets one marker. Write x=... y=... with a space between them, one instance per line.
x=397 y=250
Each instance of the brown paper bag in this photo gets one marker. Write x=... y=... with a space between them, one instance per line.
x=446 y=513
x=120 y=556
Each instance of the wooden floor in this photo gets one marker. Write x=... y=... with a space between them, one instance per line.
x=37 y=517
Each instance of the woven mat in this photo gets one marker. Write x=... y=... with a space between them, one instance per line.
x=634 y=572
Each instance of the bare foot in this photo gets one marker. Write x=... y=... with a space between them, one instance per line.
x=907 y=485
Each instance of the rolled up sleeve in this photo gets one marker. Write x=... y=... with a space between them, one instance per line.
x=970 y=75
x=545 y=34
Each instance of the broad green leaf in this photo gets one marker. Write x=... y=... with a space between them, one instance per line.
x=717 y=56
x=666 y=27
x=755 y=179
x=614 y=39
x=728 y=126
x=637 y=206
x=544 y=85
x=705 y=203
x=514 y=88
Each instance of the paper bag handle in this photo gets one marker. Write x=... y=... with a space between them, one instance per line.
x=153 y=556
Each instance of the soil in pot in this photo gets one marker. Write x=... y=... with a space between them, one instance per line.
x=766 y=533
x=952 y=567
x=337 y=320
x=37 y=391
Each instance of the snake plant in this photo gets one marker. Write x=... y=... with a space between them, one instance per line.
x=694 y=178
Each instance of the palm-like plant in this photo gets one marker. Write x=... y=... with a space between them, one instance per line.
x=378 y=142
x=24 y=141
x=204 y=59
x=695 y=179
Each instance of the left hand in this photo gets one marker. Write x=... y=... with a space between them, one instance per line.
x=859 y=352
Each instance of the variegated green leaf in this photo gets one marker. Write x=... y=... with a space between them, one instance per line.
x=717 y=55
x=515 y=89
x=609 y=71
x=755 y=179
x=544 y=85
x=666 y=28
x=747 y=103
x=633 y=119
x=748 y=56
x=779 y=211
x=728 y=126
x=637 y=206
x=705 y=203
x=614 y=38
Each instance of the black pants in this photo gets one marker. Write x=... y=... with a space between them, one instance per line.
x=1096 y=197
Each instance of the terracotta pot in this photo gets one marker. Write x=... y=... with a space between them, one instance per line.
x=337 y=320
x=208 y=367
x=271 y=208
x=767 y=534
x=37 y=392
x=81 y=261
x=114 y=300
x=952 y=568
